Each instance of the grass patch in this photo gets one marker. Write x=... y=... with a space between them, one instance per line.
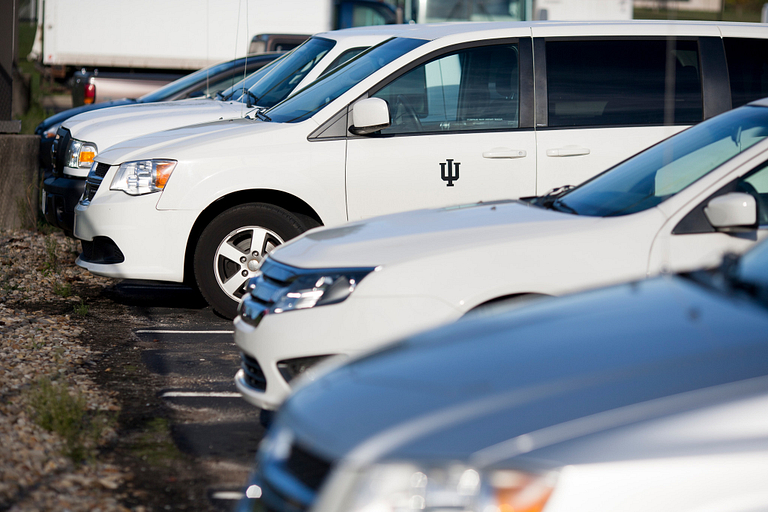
x=51 y=256
x=56 y=410
x=154 y=444
x=81 y=309
x=63 y=290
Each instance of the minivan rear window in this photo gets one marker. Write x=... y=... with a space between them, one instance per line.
x=747 y=69
x=623 y=82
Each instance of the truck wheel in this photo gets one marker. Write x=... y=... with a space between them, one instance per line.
x=231 y=248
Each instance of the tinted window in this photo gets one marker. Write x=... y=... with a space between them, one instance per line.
x=748 y=69
x=472 y=89
x=665 y=169
x=604 y=83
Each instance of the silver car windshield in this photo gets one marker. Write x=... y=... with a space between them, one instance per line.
x=665 y=169
x=333 y=84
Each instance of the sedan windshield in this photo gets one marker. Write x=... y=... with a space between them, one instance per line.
x=333 y=84
x=235 y=93
x=752 y=269
x=190 y=80
x=282 y=77
x=665 y=169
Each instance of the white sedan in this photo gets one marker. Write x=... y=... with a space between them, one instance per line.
x=677 y=206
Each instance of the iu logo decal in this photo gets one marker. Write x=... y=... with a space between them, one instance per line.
x=449 y=172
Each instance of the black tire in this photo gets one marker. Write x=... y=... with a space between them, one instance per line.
x=231 y=236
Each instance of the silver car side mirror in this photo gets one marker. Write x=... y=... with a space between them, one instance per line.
x=369 y=115
x=732 y=210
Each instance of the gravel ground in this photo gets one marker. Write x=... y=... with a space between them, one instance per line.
x=41 y=344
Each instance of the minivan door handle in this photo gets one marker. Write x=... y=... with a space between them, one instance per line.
x=568 y=151
x=504 y=153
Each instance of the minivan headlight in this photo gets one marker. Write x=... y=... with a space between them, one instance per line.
x=401 y=487
x=143 y=176
x=80 y=154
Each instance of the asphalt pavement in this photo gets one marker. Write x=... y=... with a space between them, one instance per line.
x=194 y=354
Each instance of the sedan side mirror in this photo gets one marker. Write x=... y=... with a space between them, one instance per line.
x=369 y=115
x=732 y=210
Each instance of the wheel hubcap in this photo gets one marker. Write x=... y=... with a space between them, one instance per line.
x=239 y=256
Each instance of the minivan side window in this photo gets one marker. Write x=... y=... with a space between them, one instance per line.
x=470 y=89
x=747 y=69
x=623 y=82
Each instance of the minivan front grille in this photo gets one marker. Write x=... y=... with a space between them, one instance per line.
x=93 y=181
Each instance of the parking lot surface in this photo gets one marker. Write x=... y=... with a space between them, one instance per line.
x=187 y=358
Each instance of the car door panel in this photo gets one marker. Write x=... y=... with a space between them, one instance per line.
x=455 y=136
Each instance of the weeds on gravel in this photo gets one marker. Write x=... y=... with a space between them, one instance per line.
x=62 y=289
x=51 y=258
x=56 y=410
x=81 y=309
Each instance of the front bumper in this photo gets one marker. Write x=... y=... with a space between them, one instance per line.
x=356 y=325
x=152 y=243
x=61 y=196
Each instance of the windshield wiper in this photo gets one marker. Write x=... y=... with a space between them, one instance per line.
x=249 y=95
x=261 y=115
x=560 y=206
x=551 y=200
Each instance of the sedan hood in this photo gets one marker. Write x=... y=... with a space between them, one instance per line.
x=108 y=126
x=418 y=234
x=464 y=388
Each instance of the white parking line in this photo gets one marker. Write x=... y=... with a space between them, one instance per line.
x=227 y=495
x=149 y=331
x=201 y=394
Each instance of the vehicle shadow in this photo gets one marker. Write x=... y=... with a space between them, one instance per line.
x=155 y=294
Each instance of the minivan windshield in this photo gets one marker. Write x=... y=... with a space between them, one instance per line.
x=235 y=93
x=333 y=84
x=665 y=169
x=282 y=77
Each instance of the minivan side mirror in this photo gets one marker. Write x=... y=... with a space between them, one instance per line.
x=369 y=115
x=732 y=210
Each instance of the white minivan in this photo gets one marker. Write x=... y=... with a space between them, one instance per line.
x=438 y=115
x=81 y=137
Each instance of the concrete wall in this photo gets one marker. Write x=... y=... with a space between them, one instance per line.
x=19 y=181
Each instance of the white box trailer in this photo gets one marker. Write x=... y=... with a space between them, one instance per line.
x=170 y=34
x=178 y=34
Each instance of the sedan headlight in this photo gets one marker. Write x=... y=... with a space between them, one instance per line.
x=313 y=290
x=143 y=176
x=80 y=154
x=401 y=487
